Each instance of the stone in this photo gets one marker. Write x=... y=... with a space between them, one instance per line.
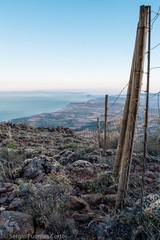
x=102 y=166
x=39 y=178
x=3 y=189
x=148 y=180
x=11 y=197
x=110 y=152
x=93 y=199
x=3 y=200
x=78 y=203
x=16 y=203
x=111 y=189
x=85 y=173
x=15 y=223
x=33 y=169
x=110 y=198
x=40 y=234
x=2 y=209
x=150 y=174
x=151 y=168
x=81 y=164
x=94 y=158
x=81 y=217
x=8 y=185
x=40 y=165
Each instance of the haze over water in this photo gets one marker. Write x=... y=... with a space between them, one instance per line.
x=24 y=104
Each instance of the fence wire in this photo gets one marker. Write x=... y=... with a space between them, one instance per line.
x=144 y=179
x=143 y=192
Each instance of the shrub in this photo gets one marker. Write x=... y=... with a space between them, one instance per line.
x=74 y=146
x=10 y=160
x=153 y=143
x=46 y=201
x=100 y=183
x=12 y=145
x=113 y=138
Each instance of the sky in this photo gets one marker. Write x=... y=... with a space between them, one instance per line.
x=71 y=44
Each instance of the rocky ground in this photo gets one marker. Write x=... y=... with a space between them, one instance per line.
x=57 y=185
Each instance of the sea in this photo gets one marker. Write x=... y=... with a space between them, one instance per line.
x=24 y=104
x=15 y=105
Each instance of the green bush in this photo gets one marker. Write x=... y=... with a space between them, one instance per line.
x=46 y=201
x=74 y=146
x=11 y=161
x=100 y=183
x=12 y=145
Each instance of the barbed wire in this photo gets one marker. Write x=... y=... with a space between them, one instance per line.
x=142 y=188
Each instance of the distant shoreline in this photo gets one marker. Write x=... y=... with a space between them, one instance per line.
x=15 y=105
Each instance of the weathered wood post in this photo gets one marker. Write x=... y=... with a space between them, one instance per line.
x=118 y=159
x=136 y=82
x=105 y=125
x=98 y=132
x=147 y=103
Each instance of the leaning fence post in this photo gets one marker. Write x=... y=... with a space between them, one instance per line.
x=147 y=102
x=98 y=132
x=105 y=125
x=138 y=65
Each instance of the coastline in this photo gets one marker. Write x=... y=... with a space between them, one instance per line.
x=22 y=105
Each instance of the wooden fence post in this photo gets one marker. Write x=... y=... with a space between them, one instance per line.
x=98 y=132
x=105 y=125
x=118 y=159
x=138 y=65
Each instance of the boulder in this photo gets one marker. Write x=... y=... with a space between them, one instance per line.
x=93 y=199
x=16 y=203
x=110 y=152
x=81 y=164
x=39 y=166
x=15 y=223
x=3 y=200
x=3 y=189
x=78 y=203
x=82 y=172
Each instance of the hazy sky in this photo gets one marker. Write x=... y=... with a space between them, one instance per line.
x=71 y=44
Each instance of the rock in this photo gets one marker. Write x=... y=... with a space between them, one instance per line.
x=78 y=203
x=27 y=161
x=71 y=226
x=15 y=223
x=81 y=164
x=2 y=209
x=93 y=199
x=110 y=198
x=111 y=189
x=55 y=166
x=33 y=169
x=157 y=175
x=8 y=185
x=110 y=152
x=40 y=234
x=39 y=178
x=148 y=200
x=11 y=197
x=39 y=166
x=150 y=174
x=85 y=173
x=148 y=180
x=16 y=204
x=3 y=200
x=151 y=168
x=102 y=166
x=2 y=190
x=80 y=217
x=93 y=158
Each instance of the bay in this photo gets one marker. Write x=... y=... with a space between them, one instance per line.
x=23 y=104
